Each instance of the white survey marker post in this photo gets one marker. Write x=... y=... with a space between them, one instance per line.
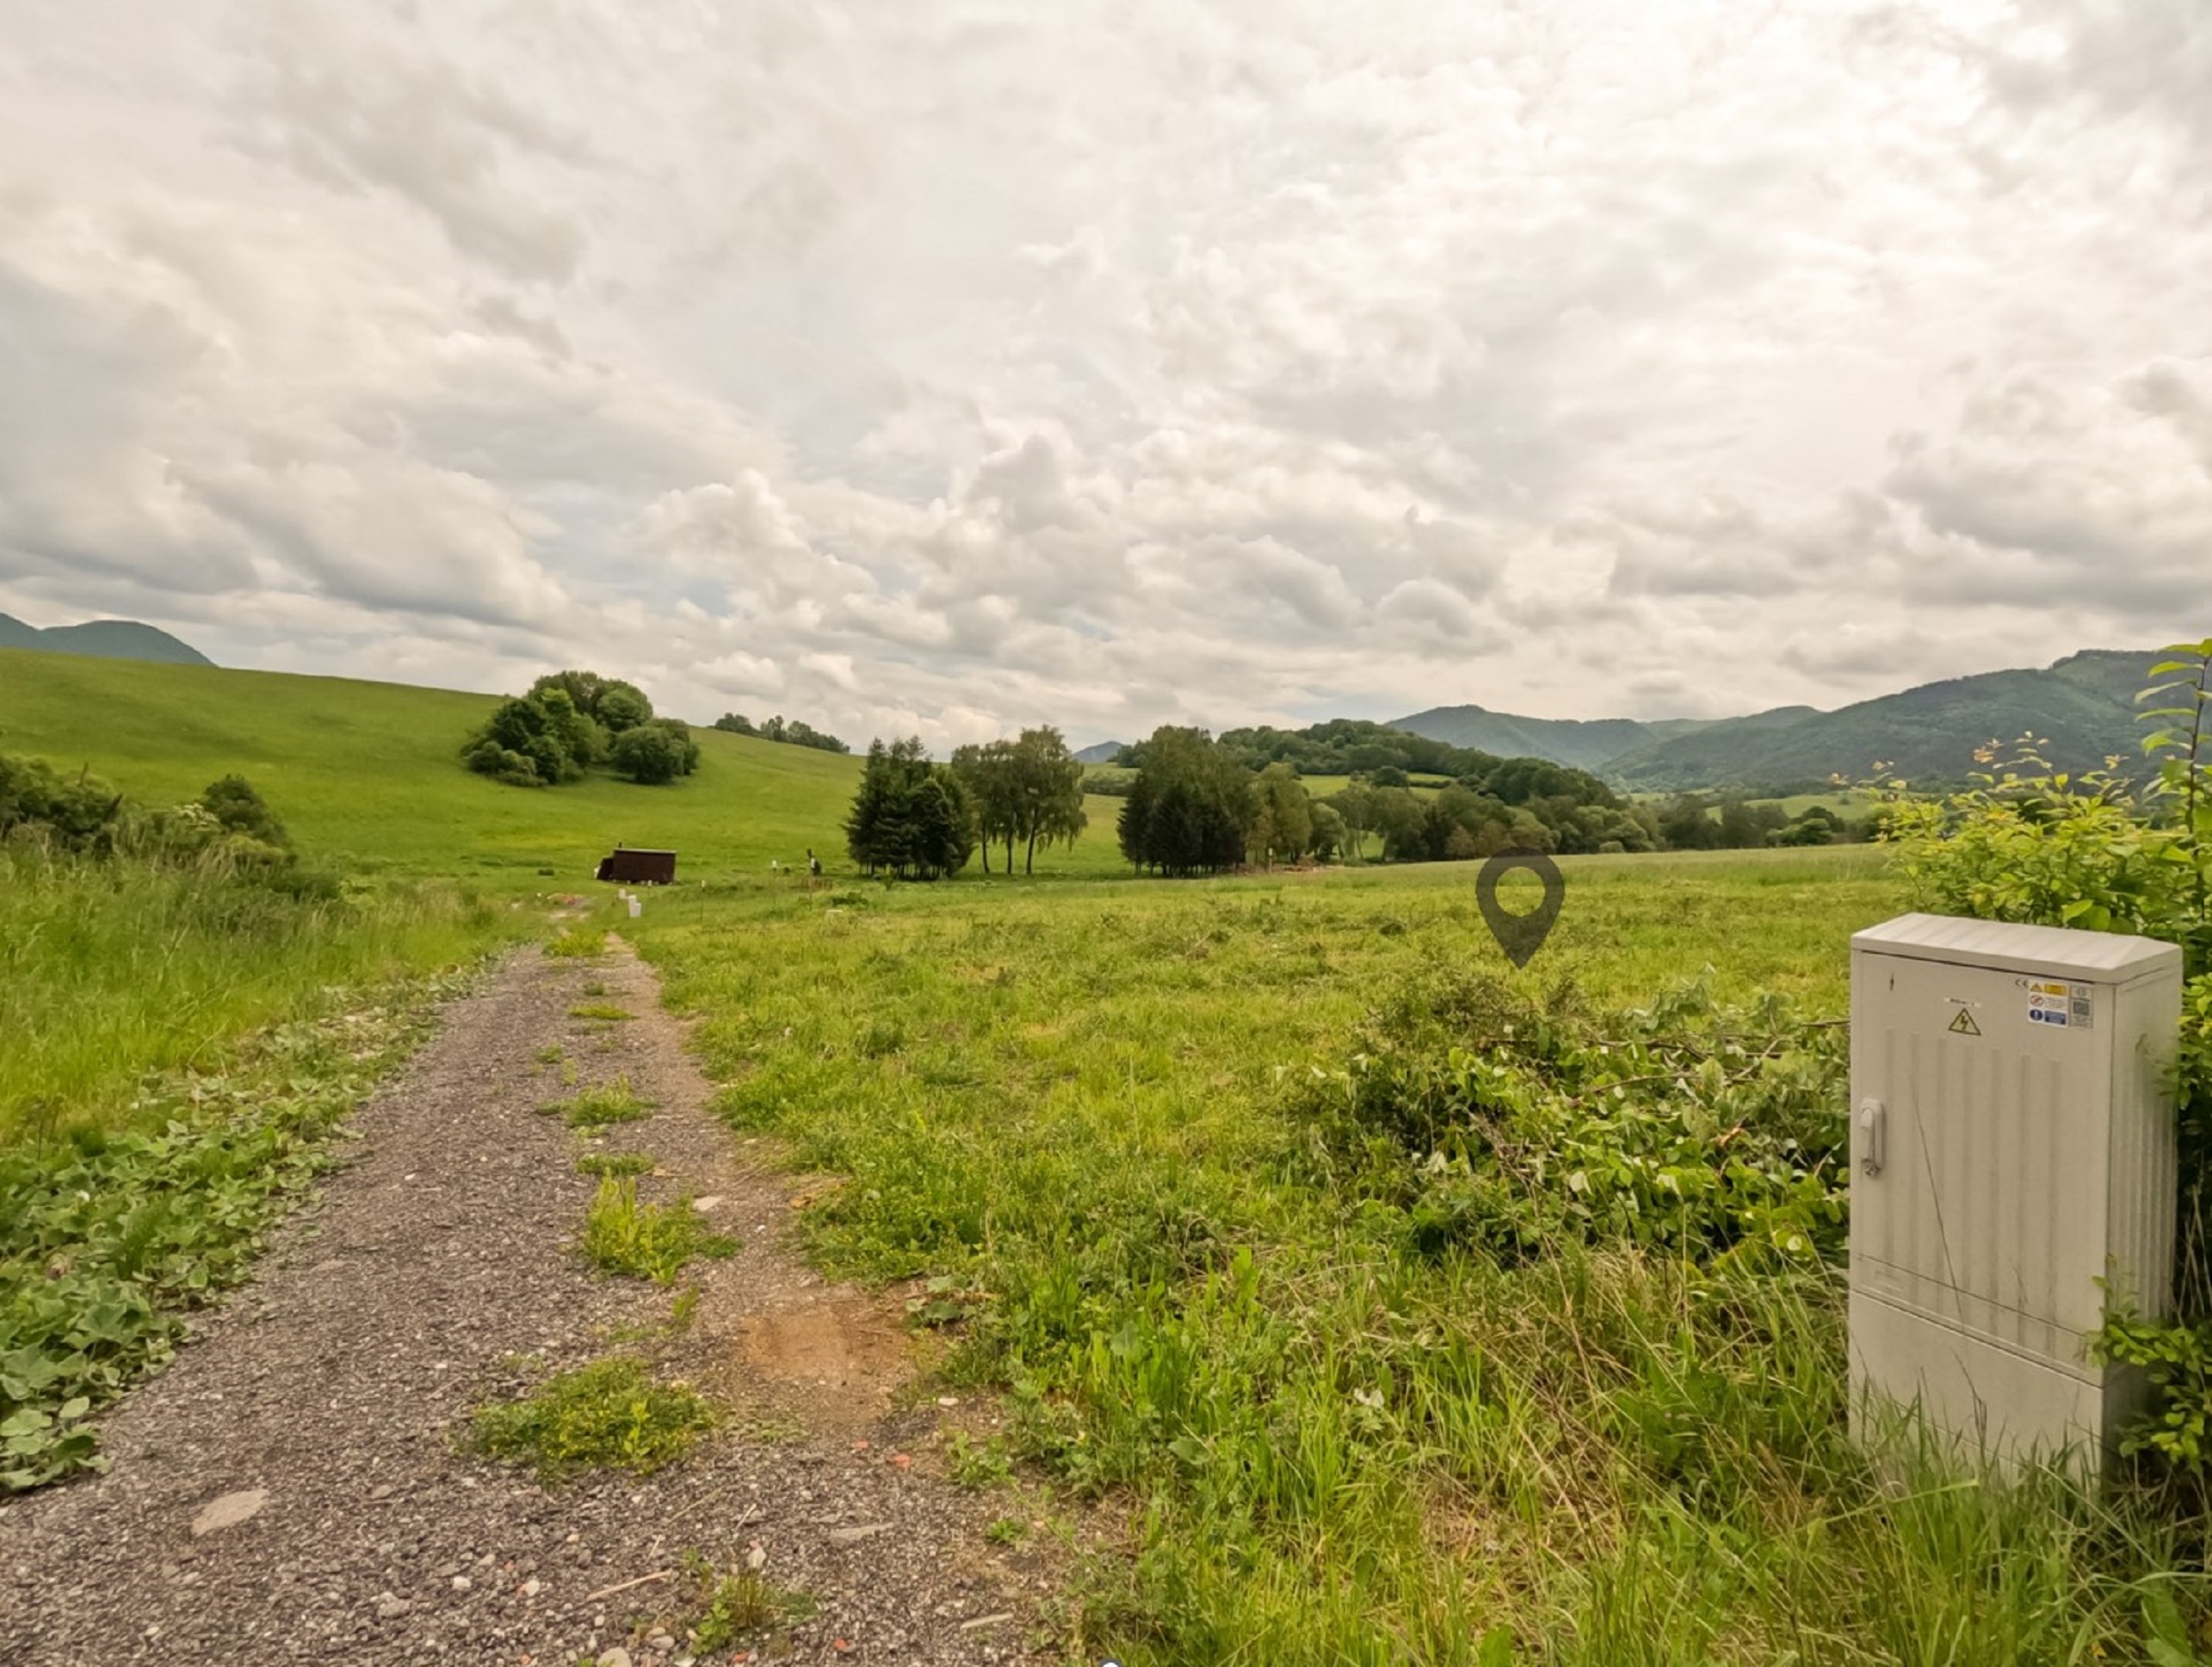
x=2012 y=1161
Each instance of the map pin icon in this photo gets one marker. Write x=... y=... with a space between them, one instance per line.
x=1521 y=936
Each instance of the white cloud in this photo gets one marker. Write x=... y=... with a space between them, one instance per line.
x=946 y=370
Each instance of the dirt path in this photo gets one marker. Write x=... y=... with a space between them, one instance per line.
x=436 y=1276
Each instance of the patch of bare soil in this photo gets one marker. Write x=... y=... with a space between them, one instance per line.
x=291 y=1489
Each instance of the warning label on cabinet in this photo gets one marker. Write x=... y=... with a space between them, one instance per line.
x=2068 y=1006
x=1963 y=1024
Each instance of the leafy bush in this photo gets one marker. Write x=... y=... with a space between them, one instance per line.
x=610 y=1415
x=79 y=814
x=1496 y=1123
x=656 y=752
x=569 y=722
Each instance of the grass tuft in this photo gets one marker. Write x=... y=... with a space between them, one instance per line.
x=645 y=1241
x=601 y=1106
x=979 y=1463
x=615 y=1164
x=578 y=942
x=606 y=1011
x=611 y=1415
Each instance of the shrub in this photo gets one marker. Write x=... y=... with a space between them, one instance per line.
x=656 y=752
x=238 y=809
x=569 y=722
x=1493 y=1122
x=80 y=813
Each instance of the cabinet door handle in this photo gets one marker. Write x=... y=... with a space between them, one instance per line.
x=1873 y=1136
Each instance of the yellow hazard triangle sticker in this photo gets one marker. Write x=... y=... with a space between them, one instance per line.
x=1964 y=1024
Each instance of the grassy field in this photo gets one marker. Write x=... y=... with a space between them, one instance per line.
x=1091 y=1115
x=1335 y=1392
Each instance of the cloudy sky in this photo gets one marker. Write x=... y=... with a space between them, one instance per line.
x=942 y=365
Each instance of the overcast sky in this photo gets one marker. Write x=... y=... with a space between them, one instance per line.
x=944 y=367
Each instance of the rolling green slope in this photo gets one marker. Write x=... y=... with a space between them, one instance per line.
x=371 y=773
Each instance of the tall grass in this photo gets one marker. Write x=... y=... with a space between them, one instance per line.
x=1331 y=1445
x=110 y=970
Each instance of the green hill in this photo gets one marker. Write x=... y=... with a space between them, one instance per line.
x=2083 y=706
x=370 y=773
x=1585 y=743
x=102 y=638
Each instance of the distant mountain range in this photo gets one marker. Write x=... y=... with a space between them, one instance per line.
x=103 y=640
x=1105 y=753
x=2083 y=706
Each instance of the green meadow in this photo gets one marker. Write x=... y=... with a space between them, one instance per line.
x=1108 y=1122
x=1183 y=1165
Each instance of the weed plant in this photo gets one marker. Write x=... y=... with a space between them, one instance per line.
x=645 y=1241
x=611 y=1415
x=739 y=1608
x=605 y=1011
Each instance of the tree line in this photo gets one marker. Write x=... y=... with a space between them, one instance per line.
x=790 y=731
x=1194 y=804
x=571 y=723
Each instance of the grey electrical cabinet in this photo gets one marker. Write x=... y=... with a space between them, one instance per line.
x=2012 y=1158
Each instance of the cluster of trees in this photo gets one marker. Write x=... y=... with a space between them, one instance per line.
x=920 y=820
x=573 y=722
x=910 y=818
x=1488 y=803
x=1189 y=808
x=1025 y=792
x=790 y=731
x=1695 y=822
x=1194 y=806
x=1350 y=747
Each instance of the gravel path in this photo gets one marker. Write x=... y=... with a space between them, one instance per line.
x=434 y=1275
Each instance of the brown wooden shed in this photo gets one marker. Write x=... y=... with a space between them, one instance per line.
x=639 y=868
